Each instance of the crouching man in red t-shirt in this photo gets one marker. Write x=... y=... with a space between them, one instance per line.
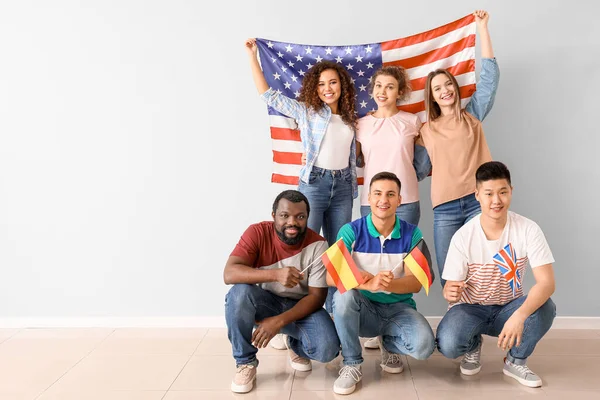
x=270 y=292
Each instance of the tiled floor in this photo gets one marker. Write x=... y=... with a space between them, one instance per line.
x=185 y=364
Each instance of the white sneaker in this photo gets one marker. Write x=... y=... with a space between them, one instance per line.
x=350 y=375
x=279 y=342
x=372 y=343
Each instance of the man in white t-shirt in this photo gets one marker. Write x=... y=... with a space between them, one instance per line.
x=484 y=272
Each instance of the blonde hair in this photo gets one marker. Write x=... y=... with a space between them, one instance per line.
x=431 y=107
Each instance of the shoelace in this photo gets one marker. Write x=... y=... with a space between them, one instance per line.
x=245 y=369
x=393 y=359
x=350 y=371
x=474 y=356
x=523 y=369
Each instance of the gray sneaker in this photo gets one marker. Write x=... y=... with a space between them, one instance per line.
x=350 y=375
x=471 y=362
x=390 y=362
x=522 y=374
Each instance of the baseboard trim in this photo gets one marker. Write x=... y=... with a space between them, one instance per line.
x=209 y=322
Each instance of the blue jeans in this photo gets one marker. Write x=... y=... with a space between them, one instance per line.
x=447 y=219
x=329 y=194
x=461 y=328
x=403 y=329
x=312 y=337
x=410 y=212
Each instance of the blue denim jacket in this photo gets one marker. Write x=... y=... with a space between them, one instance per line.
x=483 y=99
x=479 y=106
x=312 y=125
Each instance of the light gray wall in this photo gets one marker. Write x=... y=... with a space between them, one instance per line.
x=134 y=150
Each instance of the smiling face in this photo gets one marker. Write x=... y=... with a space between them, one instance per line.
x=443 y=90
x=494 y=196
x=386 y=91
x=329 y=88
x=290 y=221
x=384 y=198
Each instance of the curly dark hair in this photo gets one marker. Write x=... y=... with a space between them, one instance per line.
x=310 y=96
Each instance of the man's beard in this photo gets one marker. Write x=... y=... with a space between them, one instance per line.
x=293 y=240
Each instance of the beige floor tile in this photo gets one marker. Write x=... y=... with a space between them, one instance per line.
x=478 y=394
x=216 y=372
x=216 y=343
x=33 y=343
x=26 y=377
x=151 y=341
x=439 y=373
x=571 y=394
x=322 y=377
x=359 y=394
x=222 y=394
x=567 y=372
x=104 y=395
x=98 y=373
x=7 y=333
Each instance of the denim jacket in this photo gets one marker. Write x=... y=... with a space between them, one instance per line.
x=312 y=125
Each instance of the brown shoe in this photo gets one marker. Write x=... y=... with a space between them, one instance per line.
x=243 y=381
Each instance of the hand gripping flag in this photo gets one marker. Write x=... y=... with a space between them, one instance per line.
x=451 y=46
x=506 y=260
x=418 y=261
x=341 y=267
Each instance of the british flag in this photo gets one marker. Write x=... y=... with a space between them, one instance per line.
x=506 y=260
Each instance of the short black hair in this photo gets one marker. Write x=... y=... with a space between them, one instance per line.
x=492 y=170
x=385 y=176
x=291 y=195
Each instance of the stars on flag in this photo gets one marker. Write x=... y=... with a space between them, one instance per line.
x=289 y=63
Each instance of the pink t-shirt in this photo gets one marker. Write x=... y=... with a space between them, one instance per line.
x=388 y=144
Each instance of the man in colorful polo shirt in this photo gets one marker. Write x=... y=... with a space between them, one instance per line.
x=382 y=306
x=484 y=271
x=270 y=290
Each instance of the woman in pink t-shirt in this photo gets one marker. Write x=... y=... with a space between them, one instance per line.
x=386 y=142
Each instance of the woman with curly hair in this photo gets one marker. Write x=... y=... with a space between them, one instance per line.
x=456 y=143
x=325 y=116
x=386 y=142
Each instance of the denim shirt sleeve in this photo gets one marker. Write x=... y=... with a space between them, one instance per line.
x=421 y=162
x=483 y=99
x=285 y=105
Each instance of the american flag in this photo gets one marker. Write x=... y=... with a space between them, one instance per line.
x=506 y=260
x=451 y=47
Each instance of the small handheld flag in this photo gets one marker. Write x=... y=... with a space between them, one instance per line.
x=506 y=260
x=341 y=267
x=418 y=261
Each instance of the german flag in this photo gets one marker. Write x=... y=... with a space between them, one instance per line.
x=418 y=260
x=341 y=267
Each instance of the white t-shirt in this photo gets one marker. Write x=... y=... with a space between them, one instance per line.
x=522 y=242
x=334 y=152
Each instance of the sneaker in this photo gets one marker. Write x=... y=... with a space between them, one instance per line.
x=350 y=375
x=372 y=343
x=471 y=362
x=244 y=378
x=522 y=374
x=279 y=342
x=390 y=362
x=299 y=363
